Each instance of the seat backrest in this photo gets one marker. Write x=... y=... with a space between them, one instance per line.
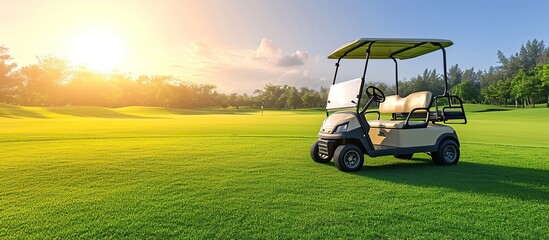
x=397 y=104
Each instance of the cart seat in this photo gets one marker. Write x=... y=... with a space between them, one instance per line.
x=397 y=104
x=386 y=124
x=415 y=103
x=394 y=124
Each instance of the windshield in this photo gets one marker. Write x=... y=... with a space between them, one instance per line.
x=344 y=94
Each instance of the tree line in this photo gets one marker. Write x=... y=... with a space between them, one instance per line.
x=522 y=79
x=52 y=81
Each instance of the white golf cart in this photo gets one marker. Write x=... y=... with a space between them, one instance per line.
x=414 y=126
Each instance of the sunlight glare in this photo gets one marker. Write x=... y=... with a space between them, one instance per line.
x=99 y=50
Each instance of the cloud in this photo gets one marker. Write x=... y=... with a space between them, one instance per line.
x=296 y=59
x=243 y=70
x=269 y=52
x=201 y=49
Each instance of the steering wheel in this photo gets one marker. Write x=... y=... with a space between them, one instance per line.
x=375 y=94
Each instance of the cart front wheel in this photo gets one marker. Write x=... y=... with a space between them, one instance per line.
x=348 y=158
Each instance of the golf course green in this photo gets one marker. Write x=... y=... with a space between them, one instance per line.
x=157 y=173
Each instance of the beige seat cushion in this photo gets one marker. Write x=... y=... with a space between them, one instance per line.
x=397 y=104
x=398 y=124
x=386 y=124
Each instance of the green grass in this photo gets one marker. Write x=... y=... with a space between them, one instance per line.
x=141 y=172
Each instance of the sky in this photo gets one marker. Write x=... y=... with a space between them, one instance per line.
x=241 y=45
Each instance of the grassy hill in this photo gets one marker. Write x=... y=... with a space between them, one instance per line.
x=144 y=172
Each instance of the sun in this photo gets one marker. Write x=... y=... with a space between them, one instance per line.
x=100 y=50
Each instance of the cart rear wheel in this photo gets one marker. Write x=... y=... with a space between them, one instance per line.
x=317 y=157
x=348 y=158
x=447 y=154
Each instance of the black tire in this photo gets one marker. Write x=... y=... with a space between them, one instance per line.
x=317 y=157
x=447 y=154
x=348 y=158
x=404 y=156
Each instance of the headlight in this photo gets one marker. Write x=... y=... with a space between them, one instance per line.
x=341 y=128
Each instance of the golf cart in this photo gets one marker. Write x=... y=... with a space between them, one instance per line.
x=415 y=123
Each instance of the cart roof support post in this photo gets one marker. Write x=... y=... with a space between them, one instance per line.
x=396 y=74
x=364 y=75
x=444 y=66
x=337 y=67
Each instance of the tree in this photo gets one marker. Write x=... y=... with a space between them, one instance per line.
x=490 y=95
x=234 y=100
x=8 y=83
x=323 y=94
x=472 y=76
x=542 y=72
x=128 y=93
x=86 y=87
x=467 y=91
x=503 y=91
x=32 y=83
x=282 y=100
x=488 y=81
x=294 y=100
x=39 y=83
x=271 y=96
x=386 y=89
x=454 y=76
x=525 y=88
x=533 y=86
x=311 y=100
x=530 y=55
x=163 y=90
x=428 y=81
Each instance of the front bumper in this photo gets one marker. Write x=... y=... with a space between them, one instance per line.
x=327 y=142
x=326 y=146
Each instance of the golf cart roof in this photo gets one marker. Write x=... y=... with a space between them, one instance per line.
x=385 y=48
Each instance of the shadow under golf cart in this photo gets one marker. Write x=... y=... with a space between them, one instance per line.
x=515 y=182
x=477 y=178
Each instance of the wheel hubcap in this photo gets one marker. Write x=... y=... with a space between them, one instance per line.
x=450 y=153
x=351 y=159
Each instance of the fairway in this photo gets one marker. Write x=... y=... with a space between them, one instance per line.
x=156 y=173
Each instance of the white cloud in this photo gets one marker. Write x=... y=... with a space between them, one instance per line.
x=272 y=54
x=244 y=70
x=267 y=50
x=296 y=59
